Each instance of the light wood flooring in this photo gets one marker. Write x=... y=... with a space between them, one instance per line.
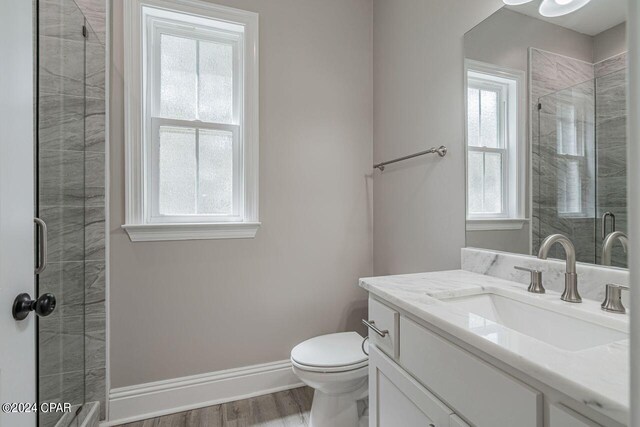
x=287 y=408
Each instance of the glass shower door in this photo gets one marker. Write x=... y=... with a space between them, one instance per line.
x=61 y=203
x=565 y=194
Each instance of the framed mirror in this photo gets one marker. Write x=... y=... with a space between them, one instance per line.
x=546 y=130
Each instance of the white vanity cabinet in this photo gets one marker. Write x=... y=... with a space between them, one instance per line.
x=395 y=398
x=418 y=377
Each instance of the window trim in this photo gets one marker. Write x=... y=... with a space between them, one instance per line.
x=514 y=216
x=137 y=221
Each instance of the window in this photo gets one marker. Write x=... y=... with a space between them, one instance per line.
x=191 y=73
x=571 y=131
x=495 y=147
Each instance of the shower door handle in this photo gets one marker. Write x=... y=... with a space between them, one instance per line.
x=23 y=305
x=41 y=262
x=603 y=226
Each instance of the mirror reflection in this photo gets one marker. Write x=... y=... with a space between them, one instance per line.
x=546 y=131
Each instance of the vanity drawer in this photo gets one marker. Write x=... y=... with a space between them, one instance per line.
x=385 y=319
x=474 y=389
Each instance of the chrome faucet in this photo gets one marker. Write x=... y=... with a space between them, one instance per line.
x=570 y=293
x=607 y=245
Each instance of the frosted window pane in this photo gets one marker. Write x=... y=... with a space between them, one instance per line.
x=473 y=113
x=493 y=183
x=216 y=173
x=177 y=171
x=216 y=82
x=476 y=182
x=178 y=79
x=489 y=119
x=567 y=130
x=569 y=186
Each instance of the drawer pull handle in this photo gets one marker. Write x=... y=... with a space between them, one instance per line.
x=372 y=325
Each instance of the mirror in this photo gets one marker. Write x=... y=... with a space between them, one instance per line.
x=546 y=131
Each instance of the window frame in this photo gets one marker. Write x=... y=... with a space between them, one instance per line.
x=145 y=22
x=514 y=147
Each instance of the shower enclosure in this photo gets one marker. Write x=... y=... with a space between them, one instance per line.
x=69 y=196
x=580 y=165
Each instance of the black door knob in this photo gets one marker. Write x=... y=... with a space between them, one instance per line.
x=23 y=305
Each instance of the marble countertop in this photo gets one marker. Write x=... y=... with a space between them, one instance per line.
x=597 y=376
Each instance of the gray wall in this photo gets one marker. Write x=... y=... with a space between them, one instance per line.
x=419 y=205
x=504 y=39
x=610 y=43
x=183 y=308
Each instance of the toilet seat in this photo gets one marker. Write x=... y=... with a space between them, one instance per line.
x=339 y=352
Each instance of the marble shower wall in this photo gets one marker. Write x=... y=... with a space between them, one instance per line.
x=595 y=93
x=611 y=137
x=71 y=135
x=95 y=12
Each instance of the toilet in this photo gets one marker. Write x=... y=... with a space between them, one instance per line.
x=336 y=367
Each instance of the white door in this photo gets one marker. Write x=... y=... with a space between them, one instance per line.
x=17 y=339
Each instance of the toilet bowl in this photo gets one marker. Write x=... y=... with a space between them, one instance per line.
x=336 y=368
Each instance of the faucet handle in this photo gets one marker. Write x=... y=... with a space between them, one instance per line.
x=613 y=298
x=535 y=287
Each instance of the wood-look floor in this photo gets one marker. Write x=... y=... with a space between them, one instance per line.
x=287 y=408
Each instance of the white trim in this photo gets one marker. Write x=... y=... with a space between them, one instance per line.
x=495 y=224
x=191 y=231
x=142 y=401
x=135 y=174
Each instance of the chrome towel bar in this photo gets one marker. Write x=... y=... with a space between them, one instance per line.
x=441 y=151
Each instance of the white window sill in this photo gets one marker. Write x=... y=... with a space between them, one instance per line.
x=198 y=231
x=496 y=224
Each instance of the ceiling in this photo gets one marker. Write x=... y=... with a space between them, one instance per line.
x=596 y=17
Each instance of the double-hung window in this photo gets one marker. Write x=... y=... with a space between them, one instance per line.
x=191 y=121
x=571 y=133
x=495 y=147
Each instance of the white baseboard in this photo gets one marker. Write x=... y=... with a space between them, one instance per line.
x=139 y=402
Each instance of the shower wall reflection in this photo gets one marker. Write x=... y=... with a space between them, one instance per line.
x=578 y=152
x=71 y=200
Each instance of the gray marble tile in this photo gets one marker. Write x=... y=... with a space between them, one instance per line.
x=94 y=282
x=94 y=125
x=94 y=187
x=61 y=340
x=64 y=387
x=66 y=281
x=95 y=70
x=616 y=63
x=611 y=95
x=94 y=234
x=61 y=122
x=551 y=72
x=96 y=14
x=95 y=388
x=61 y=175
x=612 y=191
x=95 y=349
x=61 y=66
x=60 y=18
x=66 y=232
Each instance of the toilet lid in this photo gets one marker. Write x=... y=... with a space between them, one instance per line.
x=331 y=351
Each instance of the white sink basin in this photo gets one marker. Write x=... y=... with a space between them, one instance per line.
x=562 y=331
